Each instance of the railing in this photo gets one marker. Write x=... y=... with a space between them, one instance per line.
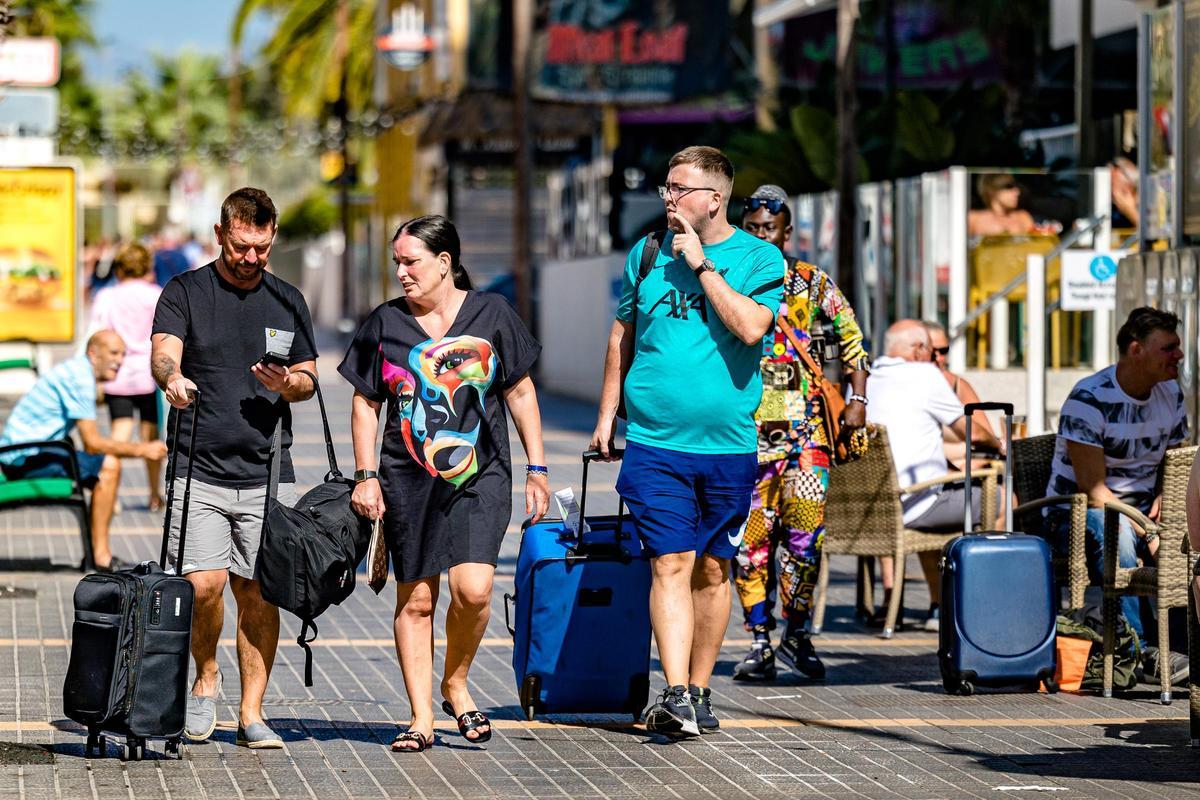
x=1010 y=287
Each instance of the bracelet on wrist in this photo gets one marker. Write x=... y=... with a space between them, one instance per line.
x=537 y=469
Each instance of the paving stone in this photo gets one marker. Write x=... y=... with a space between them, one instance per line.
x=879 y=727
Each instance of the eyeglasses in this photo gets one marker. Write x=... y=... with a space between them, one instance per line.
x=1005 y=186
x=678 y=191
x=941 y=351
x=773 y=206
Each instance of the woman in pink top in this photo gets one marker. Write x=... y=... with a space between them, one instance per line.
x=128 y=309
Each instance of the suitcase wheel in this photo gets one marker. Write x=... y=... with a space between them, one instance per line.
x=531 y=687
x=966 y=688
x=96 y=743
x=133 y=750
x=171 y=748
x=1051 y=685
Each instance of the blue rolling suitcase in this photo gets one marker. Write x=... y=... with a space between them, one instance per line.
x=581 y=616
x=998 y=603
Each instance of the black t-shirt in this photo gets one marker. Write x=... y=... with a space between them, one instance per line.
x=225 y=331
x=445 y=467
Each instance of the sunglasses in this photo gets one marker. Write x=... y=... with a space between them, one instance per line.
x=773 y=206
x=941 y=351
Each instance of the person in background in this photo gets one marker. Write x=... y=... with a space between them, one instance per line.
x=1001 y=213
x=128 y=308
x=169 y=258
x=63 y=399
x=787 y=510
x=956 y=445
x=1113 y=431
x=910 y=398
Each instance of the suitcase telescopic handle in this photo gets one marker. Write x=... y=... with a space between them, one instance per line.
x=187 y=485
x=614 y=454
x=969 y=410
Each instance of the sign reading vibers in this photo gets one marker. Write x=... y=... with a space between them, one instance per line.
x=1089 y=280
x=604 y=51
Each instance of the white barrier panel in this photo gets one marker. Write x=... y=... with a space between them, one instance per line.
x=1035 y=348
x=576 y=307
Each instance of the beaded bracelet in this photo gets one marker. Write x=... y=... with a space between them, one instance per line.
x=537 y=469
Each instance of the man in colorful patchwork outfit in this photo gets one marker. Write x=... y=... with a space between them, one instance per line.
x=788 y=506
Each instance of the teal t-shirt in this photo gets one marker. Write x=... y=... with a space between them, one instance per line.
x=694 y=386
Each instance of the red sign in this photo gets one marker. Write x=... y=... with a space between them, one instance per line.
x=626 y=44
x=29 y=61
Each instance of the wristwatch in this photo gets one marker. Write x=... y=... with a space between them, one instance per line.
x=361 y=475
x=705 y=266
x=859 y=397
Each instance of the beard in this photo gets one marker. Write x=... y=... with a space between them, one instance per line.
x=243 y=270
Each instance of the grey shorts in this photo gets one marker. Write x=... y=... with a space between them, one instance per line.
x=224 y=526
x=946 y=513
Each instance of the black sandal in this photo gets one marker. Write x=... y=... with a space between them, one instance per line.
x=470 y=721
x=423 y=742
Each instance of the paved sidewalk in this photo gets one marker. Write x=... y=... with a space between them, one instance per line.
x=881 y=726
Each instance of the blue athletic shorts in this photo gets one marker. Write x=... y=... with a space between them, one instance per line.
x=684 y=502
x=52 y=464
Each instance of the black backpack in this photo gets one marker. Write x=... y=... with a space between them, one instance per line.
x=310 y=553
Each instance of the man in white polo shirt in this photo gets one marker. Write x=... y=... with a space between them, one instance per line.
x=907 y=394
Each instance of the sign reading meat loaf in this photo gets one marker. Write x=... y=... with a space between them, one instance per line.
x=37 y=254
x=603 y=51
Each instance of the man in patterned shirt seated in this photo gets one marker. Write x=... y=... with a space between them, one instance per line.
x=1114 y=428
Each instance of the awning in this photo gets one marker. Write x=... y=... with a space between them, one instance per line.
x=782 y=10
x=479 y=115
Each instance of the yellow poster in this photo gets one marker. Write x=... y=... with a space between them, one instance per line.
x=37 y=254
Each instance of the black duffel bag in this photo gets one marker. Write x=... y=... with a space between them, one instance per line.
x=310 y=553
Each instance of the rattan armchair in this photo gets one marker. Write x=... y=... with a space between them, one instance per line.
x=863 y=517
x=1032 y=460
x=1168 y=581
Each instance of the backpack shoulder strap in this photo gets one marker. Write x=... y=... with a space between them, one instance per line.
x=650 y=252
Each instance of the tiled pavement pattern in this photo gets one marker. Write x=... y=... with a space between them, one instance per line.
x=881 y=726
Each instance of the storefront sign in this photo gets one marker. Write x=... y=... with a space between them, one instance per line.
x=626 y=51
x=933 y=50
x=406 y=44
x=37 y=254
x=29 y=61
x=1089 y=280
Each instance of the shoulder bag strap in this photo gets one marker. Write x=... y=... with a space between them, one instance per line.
x=801 y=350
x=334 y=472
x=273 y=468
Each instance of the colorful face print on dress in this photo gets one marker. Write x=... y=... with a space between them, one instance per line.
x=440 y=402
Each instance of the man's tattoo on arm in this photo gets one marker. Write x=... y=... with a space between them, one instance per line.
x=162 y=367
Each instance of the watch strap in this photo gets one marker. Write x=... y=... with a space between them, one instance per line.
x=361 y=475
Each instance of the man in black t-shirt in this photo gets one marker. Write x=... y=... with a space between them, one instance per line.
x=211 y=330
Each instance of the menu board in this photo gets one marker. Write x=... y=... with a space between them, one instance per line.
x=38 y=254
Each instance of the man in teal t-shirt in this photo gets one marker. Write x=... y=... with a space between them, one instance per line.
x=688 y=358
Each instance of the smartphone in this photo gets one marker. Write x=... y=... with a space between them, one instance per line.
x=274 y=358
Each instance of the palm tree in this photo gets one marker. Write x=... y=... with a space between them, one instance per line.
x=322 y=56
x=321 y=52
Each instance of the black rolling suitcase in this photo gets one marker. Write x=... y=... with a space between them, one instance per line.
x=130 y=645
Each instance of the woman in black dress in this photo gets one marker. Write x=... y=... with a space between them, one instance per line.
x=446 y=360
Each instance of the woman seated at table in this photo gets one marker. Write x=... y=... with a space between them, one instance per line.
x=955 y=445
